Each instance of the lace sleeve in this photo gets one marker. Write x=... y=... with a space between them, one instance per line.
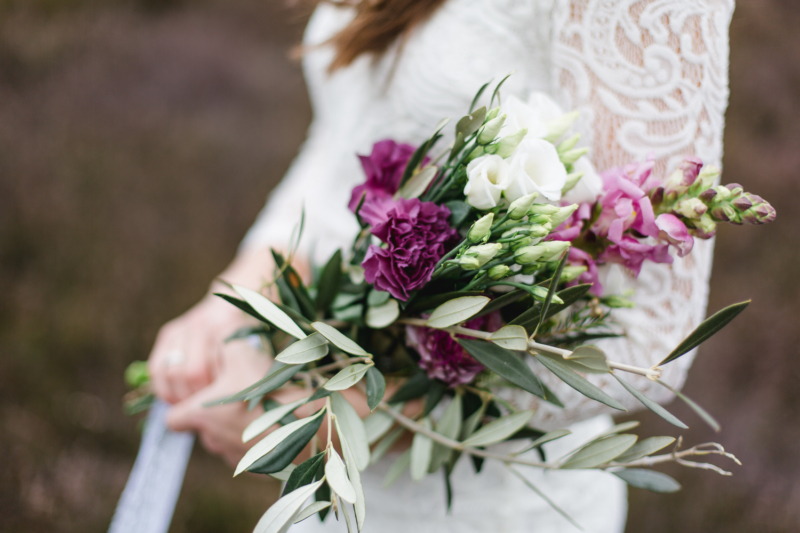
x=650 y=77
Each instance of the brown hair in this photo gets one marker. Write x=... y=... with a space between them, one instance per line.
x=377 y=24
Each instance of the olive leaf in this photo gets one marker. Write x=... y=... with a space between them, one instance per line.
x=304 y=473
x=336 y=474
x=330 y=281
x=397 y=468
x=312 y=348
x=599 y=452
x=498 y=430
x=418 y=183
x=511 y=338
x=343 y=342
x=644 y=448
x=650 y=404
x=383 y=315
x=269 y=419
x=347 y=377
x=285 y=510
x=421 y=451
x=504 y=363
x=456 y=311
x=648 y=479
x=579 y=383
x=705 y=330
x=376 y=387
x=312 y=509
x=270 y=312
x=352 y=428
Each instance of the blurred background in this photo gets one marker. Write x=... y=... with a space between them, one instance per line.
x=138 y=140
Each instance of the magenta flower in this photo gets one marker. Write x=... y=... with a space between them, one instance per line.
x=672 y=230
x=442 y=357
x=416 y=235
x=578 y=257
x=631 y=253
x=384 y=168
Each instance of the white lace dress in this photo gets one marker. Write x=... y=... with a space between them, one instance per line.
x=650 y=77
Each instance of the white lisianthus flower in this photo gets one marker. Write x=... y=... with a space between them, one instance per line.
x=535 y=167
x=487 y=177
x=535 y=115
x=588 y=188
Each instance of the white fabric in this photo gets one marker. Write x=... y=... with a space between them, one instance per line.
x=649 y=77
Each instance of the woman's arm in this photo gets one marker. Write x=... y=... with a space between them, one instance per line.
x=651 y=80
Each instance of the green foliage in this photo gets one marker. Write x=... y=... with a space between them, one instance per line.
x=504 y=363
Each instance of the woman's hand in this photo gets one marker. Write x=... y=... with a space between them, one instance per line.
x=220 y=427
x=187 y=353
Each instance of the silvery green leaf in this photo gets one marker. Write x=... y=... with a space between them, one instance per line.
x=547 y=437
x=504 y=363
x=705 y=330
x=304 y=473
x=449 y=425
x=644 y=448
x=619 y=428
x=312 y=348
x=590 y=357
x=346 y=517
x=551 y=293
x=386 y=444
x=311 y=510
x=498 y=430
x=347 y=377
x=511 y=338
x=383 y=315
x=269 y=311
x=707 y=418
x=650 y=404
x=268 y=443
x=284 y=511
x=376 y=388
x=352 y=428
x=421 y=450
x=600 y=452
x=338 y=338
x=456 y=311
x=397 y=468
x=284 y=474
x=360 y=505
x=376 y=425
x=472 y=421
x=579 y=383
x=418 y=183
x=336 y=474
x=648 y=479
x=269 y=419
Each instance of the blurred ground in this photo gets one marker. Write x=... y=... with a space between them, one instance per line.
x=138 y=139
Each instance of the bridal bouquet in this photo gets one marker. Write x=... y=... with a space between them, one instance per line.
x=476 y=268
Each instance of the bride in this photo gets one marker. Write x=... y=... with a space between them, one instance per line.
x=649 y=78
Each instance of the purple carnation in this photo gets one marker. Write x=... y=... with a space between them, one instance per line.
x=384 y=168
x=442 y=357
x=417 y=235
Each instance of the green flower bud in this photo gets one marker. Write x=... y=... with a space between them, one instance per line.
x=563 y=214
x=571 y=273
x=508 y=144
x=483 y=253
x=540 y=293
x=691 y=208
x=493 y=113
x=137 y=374
x=540 y=231
x=558 y=127
x=543 y=209
x=570 y=156
x=617 y=302
x=519 y=207
x=498 y=272
x=707 y=177
x=706 y=227
x=529 y=254
x=569 y=144
x=553 y=250
x=524 y=241
x=572 y=181
x=541 y=220
x=481 y=229
x=533 y=268
x=724 y=213
x=491 y=129
x=476 y=153
x=723 y=193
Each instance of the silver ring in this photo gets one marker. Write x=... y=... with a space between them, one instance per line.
x=174 y=357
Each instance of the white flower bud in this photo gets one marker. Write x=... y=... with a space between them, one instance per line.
x=571 y=273
x=569 y=143
x=493 y=113
x=558 y=127
x=491 y=129
x=483 y=253
x=508 y=144
x=529 y=254
x=543 y=209
x=481 y=229
x=498 y=272
x=553 y=250
x=539 y=231
x=519 y=207
x=570 y=156
x=563 y=214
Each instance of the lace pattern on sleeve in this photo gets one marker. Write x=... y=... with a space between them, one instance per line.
x=650 y=78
